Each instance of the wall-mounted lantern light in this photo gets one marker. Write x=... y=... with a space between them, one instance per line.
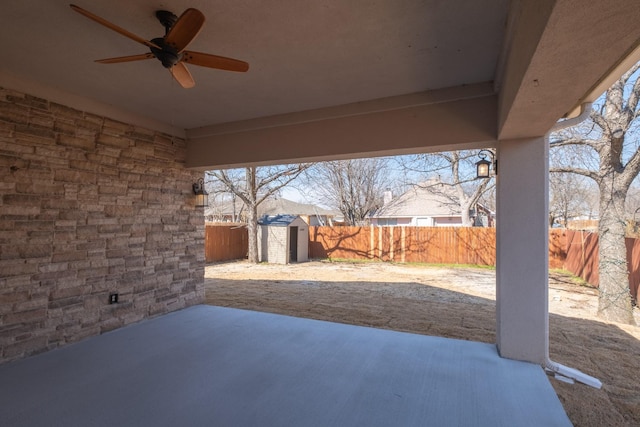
x=483 y=166
x=202 y=197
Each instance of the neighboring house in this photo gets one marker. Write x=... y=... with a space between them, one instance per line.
x=431 y=204
x=311 y=214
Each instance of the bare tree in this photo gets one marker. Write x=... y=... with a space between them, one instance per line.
x=570 y=197
x=253 y=186
x=606 y=150
x=455 y=169
x=223 y=202
x=354 y=187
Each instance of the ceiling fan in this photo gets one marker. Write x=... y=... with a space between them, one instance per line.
x=170 y=49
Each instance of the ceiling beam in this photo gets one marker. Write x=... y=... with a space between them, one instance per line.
x=454 y=118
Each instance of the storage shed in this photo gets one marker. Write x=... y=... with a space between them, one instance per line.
x=283 y=239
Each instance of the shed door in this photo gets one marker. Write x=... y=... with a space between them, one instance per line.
x=293 y=244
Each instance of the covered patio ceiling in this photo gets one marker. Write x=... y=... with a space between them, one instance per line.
x=467 y=73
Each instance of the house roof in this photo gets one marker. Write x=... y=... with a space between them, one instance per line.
x=432 y=198
x=285 y=206
x=271 y=207
x=277 y=220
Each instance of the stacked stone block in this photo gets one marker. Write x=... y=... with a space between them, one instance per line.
x=90 y=206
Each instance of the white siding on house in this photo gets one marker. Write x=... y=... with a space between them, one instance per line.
x=424 y=222
x=451 y=221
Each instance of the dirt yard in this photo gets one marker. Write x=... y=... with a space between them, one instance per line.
x=449 y=302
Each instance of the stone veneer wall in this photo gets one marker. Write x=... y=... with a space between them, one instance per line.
x=90 y=206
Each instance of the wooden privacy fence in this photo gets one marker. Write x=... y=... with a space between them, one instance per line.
x=449 y=245
x=225 y=242
x=444 y=245
x=573 y=250
x=582 y=258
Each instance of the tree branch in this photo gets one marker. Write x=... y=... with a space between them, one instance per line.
x=593 y=143
x=579 y=171
x=632 y=168
x=223 y=177
x=634 y=96
x=599 y=119
x=290 y=174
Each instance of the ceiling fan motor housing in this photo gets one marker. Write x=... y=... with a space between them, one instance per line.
x=168 y=55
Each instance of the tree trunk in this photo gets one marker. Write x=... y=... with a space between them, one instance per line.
x=465 y=207
x=614 y=302
x=252 y=206
x=252 y=229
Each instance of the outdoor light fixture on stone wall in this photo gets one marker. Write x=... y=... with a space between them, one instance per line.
x=483 y=166
x=202 y=197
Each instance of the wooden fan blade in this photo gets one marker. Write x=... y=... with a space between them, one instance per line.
x=113 y=27
x=126 y=58
x=185 y=29
x=214 y=61
x=181 y=73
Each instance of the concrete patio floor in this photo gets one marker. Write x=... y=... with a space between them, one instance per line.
x=214 y=366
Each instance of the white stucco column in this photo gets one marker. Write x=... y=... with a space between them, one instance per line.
x=522 y=266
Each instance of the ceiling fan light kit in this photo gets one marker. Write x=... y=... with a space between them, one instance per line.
x=170 y=50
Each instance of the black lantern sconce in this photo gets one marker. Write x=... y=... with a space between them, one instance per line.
x=202 y=197
x=483 y=166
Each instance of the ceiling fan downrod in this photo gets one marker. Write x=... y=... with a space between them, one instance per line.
x=167 y=19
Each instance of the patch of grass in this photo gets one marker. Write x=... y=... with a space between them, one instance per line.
x=348 y=261
x=453 y=266
x=569 y=275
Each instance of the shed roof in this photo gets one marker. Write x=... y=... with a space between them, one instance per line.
x=277 y=220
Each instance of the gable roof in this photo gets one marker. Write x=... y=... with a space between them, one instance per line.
x=431 y=198
x=285 y=206
x=278 y=206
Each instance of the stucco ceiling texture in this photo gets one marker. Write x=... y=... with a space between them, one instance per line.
x=303 y=54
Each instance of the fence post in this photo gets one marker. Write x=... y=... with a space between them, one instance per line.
x=403 y=235
x=371 y=254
